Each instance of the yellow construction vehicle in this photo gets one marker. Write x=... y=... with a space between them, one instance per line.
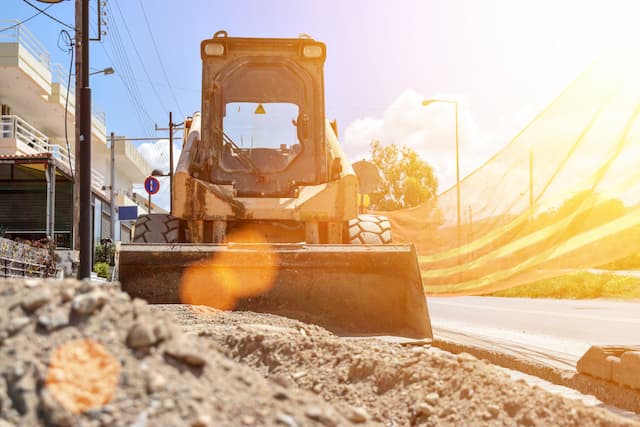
x=264 y=205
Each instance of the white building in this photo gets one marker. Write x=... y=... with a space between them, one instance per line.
x=36 y=165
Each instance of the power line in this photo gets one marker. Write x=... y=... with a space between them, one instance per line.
x=144 y=68
x=155 y=47
x=42 y=11
x=126 y=75
x=24 y=21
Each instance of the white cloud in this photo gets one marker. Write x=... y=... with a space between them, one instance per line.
x=430 y=130
x=157 y=155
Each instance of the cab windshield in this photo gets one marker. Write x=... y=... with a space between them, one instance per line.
x=260 y=137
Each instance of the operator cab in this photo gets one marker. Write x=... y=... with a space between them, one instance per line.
x=264 y=117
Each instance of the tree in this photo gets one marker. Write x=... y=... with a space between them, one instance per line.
x=407 y=179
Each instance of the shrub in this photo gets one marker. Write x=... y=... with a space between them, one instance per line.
x=102 y=268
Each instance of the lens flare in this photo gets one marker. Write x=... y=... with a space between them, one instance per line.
x=240 y=270
x=82 y=375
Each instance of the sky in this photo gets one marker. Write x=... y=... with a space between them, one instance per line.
x=503 y=61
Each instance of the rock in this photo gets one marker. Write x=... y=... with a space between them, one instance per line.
x=155 y=383
x=36 y=299
x=185 y=353
x=281 y=380
x=89 y=302
x=466 y=393
x=248 y=420
x=494 y=410
x=432 y=399
x=202 y=421
x=357 y=415
x=424 y=409
x=54 y=320
x=286 y=420
x=17 y=323
x=141 y=335
x=511 y=407
x=316 y=413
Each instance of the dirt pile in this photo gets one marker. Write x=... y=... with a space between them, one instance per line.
x=393 y=385
x=77 y=354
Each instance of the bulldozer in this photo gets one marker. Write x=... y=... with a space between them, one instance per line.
x=264 y=206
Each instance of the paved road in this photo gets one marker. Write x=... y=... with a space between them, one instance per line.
x=556 y=332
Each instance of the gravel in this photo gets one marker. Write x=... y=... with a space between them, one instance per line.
x=82 y=354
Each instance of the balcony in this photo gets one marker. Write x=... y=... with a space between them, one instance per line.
x=18 y=137
x=34 y=87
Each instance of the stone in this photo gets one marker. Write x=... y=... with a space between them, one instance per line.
x=316 y=413
x=202 y=421
x=185 y=353
x=54 y=320
x=466 y=393
x=424 y=409
x=432 y=399
x=281 y=379
x=17 y=323
x=141 y=335
x=286 y=420
x=156 y=383
x=357 y=415
x=494 y=410
x=89 y=302
x=36 y=299
x=248 y=420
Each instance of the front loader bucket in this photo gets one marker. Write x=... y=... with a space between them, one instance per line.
x=354 y=290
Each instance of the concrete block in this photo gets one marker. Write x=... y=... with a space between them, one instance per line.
x=627 y=371
x=598 y=361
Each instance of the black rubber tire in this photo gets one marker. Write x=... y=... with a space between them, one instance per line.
x=157 y=228
x=370 y=230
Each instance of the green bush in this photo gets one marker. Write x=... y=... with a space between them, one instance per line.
x=105 y=252
x=102 y=268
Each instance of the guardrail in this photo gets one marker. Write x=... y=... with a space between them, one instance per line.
x=34 y=142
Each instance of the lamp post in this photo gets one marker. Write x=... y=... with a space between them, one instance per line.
x=107 y=71
x=455 y=104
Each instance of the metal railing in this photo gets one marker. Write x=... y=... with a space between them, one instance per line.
x=59 y=73
x=23 y=36
x=32 y=141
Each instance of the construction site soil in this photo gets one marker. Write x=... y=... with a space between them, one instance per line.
x=82 y=354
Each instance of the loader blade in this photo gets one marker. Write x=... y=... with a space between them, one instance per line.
x=354 y=290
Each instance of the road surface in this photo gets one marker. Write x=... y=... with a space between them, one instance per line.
x=554 y=332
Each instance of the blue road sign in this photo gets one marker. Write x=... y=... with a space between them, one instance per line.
x=152 y=185
x=127 y=213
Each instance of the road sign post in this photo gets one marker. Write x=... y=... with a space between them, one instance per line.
x=151 y=186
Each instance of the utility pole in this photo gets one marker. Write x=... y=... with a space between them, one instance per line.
x=112 y=188
x=78 y=89
x=84 y=142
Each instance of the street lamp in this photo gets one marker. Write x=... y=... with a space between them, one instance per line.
x=455 y=104
x=107 y=71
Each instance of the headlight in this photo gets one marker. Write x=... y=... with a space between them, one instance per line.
x=214 y=49
x=312 y=51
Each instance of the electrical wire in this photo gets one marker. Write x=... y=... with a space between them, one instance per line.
x=126 y=74
x=70 y=49
x=24 y=21
x=155 y=47
x=42 y=11
x=142 y=62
